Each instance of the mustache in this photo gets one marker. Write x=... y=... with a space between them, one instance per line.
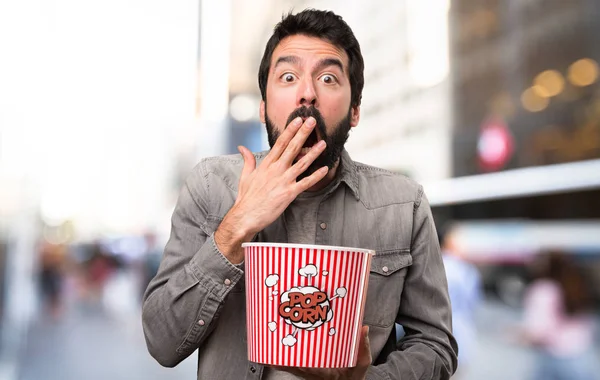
x=306 y=112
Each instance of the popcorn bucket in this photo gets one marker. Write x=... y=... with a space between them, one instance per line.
x=305 y=303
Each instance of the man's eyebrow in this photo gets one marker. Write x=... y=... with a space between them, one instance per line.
x=287 y=59
x=326 y=62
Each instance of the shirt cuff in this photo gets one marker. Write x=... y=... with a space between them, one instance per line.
x=214 y=271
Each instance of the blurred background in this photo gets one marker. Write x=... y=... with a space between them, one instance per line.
x=105 y=106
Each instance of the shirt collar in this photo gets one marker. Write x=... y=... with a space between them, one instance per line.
x=349 y=173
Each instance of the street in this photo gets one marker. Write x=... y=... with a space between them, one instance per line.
x=94 y=346
x=93 y=343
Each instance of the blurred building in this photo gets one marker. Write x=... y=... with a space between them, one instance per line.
x=532 y=69
x=526 y=130
x=405 y=114
x=526 y=95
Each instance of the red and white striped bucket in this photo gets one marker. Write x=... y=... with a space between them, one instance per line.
x=305 y=303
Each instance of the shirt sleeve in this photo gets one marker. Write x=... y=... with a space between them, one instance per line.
x=182 y=302
x=428 y=350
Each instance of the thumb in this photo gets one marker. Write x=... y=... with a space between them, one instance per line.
x=249 y=162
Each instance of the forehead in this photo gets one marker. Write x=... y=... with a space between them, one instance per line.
x=307 y=48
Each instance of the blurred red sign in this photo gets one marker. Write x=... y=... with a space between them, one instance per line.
x=495 y=145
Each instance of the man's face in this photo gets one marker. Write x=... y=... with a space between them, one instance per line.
x=309 y=77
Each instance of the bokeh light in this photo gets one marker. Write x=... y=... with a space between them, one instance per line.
x=549 y=83
x=532 y=101
x=583 y=72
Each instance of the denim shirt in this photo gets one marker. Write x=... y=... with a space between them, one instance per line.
x=196 y=301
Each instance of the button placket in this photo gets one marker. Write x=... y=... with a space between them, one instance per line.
x=323 y=214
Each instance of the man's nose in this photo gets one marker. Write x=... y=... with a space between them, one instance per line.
x=307 y=94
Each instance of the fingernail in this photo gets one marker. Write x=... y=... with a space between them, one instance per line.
x=311 y=121
x=321 y=144
x=298 y=121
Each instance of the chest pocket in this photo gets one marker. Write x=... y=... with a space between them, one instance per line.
x=386 y=282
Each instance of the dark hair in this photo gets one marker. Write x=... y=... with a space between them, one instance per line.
x=558 y=266
x=321 y=24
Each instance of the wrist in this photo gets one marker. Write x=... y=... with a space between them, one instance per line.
x=237 y=226
x=230 y=235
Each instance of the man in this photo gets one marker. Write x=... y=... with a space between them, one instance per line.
x=306 y=189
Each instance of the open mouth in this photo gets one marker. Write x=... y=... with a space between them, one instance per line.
x=312 y=139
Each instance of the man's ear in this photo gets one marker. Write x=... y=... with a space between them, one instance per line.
x=354 y=116
x=261 y=111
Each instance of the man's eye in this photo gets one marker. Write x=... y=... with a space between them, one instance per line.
x=289 y=78
x=328 y=79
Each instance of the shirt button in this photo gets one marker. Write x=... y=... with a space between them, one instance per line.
x=201 y=322
x=385 y=269
x=252 y=369
x=323 y=226
x=227 y=282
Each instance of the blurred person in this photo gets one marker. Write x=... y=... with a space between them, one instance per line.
x=464 y=287
x=51 y=278
x=559 y=322
x=305 y=189
x=150 y=260
x=98 y=269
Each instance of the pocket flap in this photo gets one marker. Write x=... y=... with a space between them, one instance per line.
x=387 y=262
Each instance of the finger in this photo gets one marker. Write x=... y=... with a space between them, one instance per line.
x=364 y=348
x=308 y=182
x=283 y=140
x=293 y=370
x=249 y=162
x=315 y=374
x=293 y=148
x=303 y=163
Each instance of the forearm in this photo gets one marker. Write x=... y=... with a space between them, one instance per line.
x=180 y=311
x=415 y=360
x=182 y=301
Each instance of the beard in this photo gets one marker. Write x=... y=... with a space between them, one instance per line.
x=335 y=140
